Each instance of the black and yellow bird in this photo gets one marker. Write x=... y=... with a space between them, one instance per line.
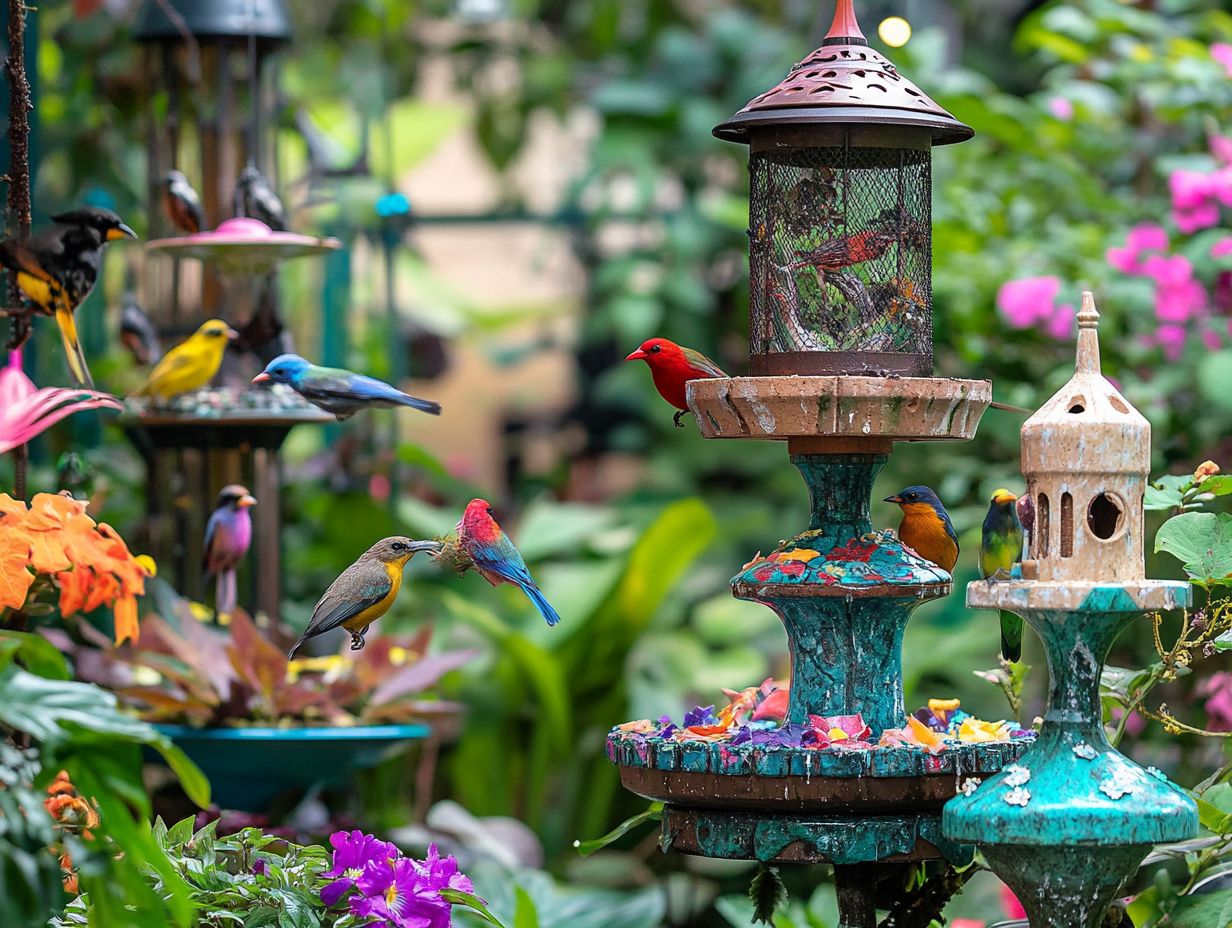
x=364 y=591
x=181 y=203
x=56 y=270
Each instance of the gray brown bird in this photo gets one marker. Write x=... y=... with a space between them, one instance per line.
x=255 y=198
x=364 y=591
x=181 y=204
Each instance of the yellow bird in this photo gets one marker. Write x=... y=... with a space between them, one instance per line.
x=191 y=364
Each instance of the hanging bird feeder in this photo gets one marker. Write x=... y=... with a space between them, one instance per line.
x=840 y=238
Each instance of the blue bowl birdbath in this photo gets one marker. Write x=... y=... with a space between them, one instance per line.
x=249 y=767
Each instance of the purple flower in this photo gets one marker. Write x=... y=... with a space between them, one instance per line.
x=700 y=716
x=442 y=872
x=261 y=867
x=353 y=852
x=396 y=892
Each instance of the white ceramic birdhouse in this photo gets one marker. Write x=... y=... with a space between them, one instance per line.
x=1086 y=454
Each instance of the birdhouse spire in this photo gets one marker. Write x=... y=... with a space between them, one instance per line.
x=845 y=30
x=1087 y=356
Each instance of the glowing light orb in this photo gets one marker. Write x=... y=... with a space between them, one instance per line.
x=894 y=31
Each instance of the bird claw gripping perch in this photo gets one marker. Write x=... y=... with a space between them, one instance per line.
x=357 y=641
x=676 y=418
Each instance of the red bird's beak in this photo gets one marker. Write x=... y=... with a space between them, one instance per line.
x=638 y=355
x=245 y=501
x=262 y=378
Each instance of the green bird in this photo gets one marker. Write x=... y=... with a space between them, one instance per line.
x=364 y=591
x=1000 y=549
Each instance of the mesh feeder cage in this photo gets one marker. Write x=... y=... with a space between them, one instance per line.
x=840 y=213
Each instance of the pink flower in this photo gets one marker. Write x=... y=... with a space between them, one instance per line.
x=1222 y=53
x=1147 y=236
x=1171 y=338
x=1221 y=185
x=1179 y=302
x=1061 y=108
x=1061 y=325
x=1009 y=902
x=26 y=411
x=1221 y=147
x=1190 y=221
x=1168 y=269
x=1190 y=189
x=1222 y=248
x=1211 y=340
x=1218 y=690
x=1029 y=301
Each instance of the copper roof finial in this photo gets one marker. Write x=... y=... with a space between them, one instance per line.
x=845 y=30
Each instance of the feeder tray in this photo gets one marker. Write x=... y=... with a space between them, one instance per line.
x=244 y=247
x=833 y=413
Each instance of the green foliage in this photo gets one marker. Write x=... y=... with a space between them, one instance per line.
x=1202 y=542
x=78 y=728
x=653 y=813
x=767 y=893
x=30 y=885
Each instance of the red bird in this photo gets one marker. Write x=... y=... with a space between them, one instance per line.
x=837 y=253
x=672 y=367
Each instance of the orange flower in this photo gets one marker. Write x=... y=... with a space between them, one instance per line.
x=89 y=561
x=1205 y=469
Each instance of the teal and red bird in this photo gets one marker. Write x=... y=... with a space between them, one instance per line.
x=227 y=537
x=672 y=367
x=495 y=556
x=1000 y=549
x=926 y=527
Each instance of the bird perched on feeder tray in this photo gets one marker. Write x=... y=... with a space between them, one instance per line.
x=137 y=332
x=1000 y=550
x=191 y=364
x=338 y=391
x=364 y=591
x=926 y=526
x=227 y=537
x=181 y=204
x=56 y=270
x=492 y=553
x=672 y=367
x=255 y=198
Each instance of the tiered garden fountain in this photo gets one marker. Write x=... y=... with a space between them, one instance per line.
x=1067 y=824
x=841 y=338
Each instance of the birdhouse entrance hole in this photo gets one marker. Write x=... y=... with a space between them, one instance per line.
x=1077 y=405
x=1105 y=516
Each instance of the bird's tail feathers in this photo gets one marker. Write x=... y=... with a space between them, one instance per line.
x=549 y=614
x=72 y=348
x=1011 y=637
x=428 y=406
x=226 y=592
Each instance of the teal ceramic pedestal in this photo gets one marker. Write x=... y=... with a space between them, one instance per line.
x=845 y=594
x=1067 y=824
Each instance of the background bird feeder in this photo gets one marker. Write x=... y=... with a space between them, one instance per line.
x=840 y=213
x=211 y=78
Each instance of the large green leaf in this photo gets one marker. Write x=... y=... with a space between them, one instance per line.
x=1203 y=911
x=1202 y=541
x=35 y=652
x=662 y=555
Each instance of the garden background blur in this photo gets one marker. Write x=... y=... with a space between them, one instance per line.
x=569 y=202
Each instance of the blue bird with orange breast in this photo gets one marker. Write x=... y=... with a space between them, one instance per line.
x=926 y=526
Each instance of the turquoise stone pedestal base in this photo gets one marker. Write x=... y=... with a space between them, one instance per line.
x=1071 y=820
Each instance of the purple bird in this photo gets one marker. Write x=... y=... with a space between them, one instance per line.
x=227 y=537
x=495 y=556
